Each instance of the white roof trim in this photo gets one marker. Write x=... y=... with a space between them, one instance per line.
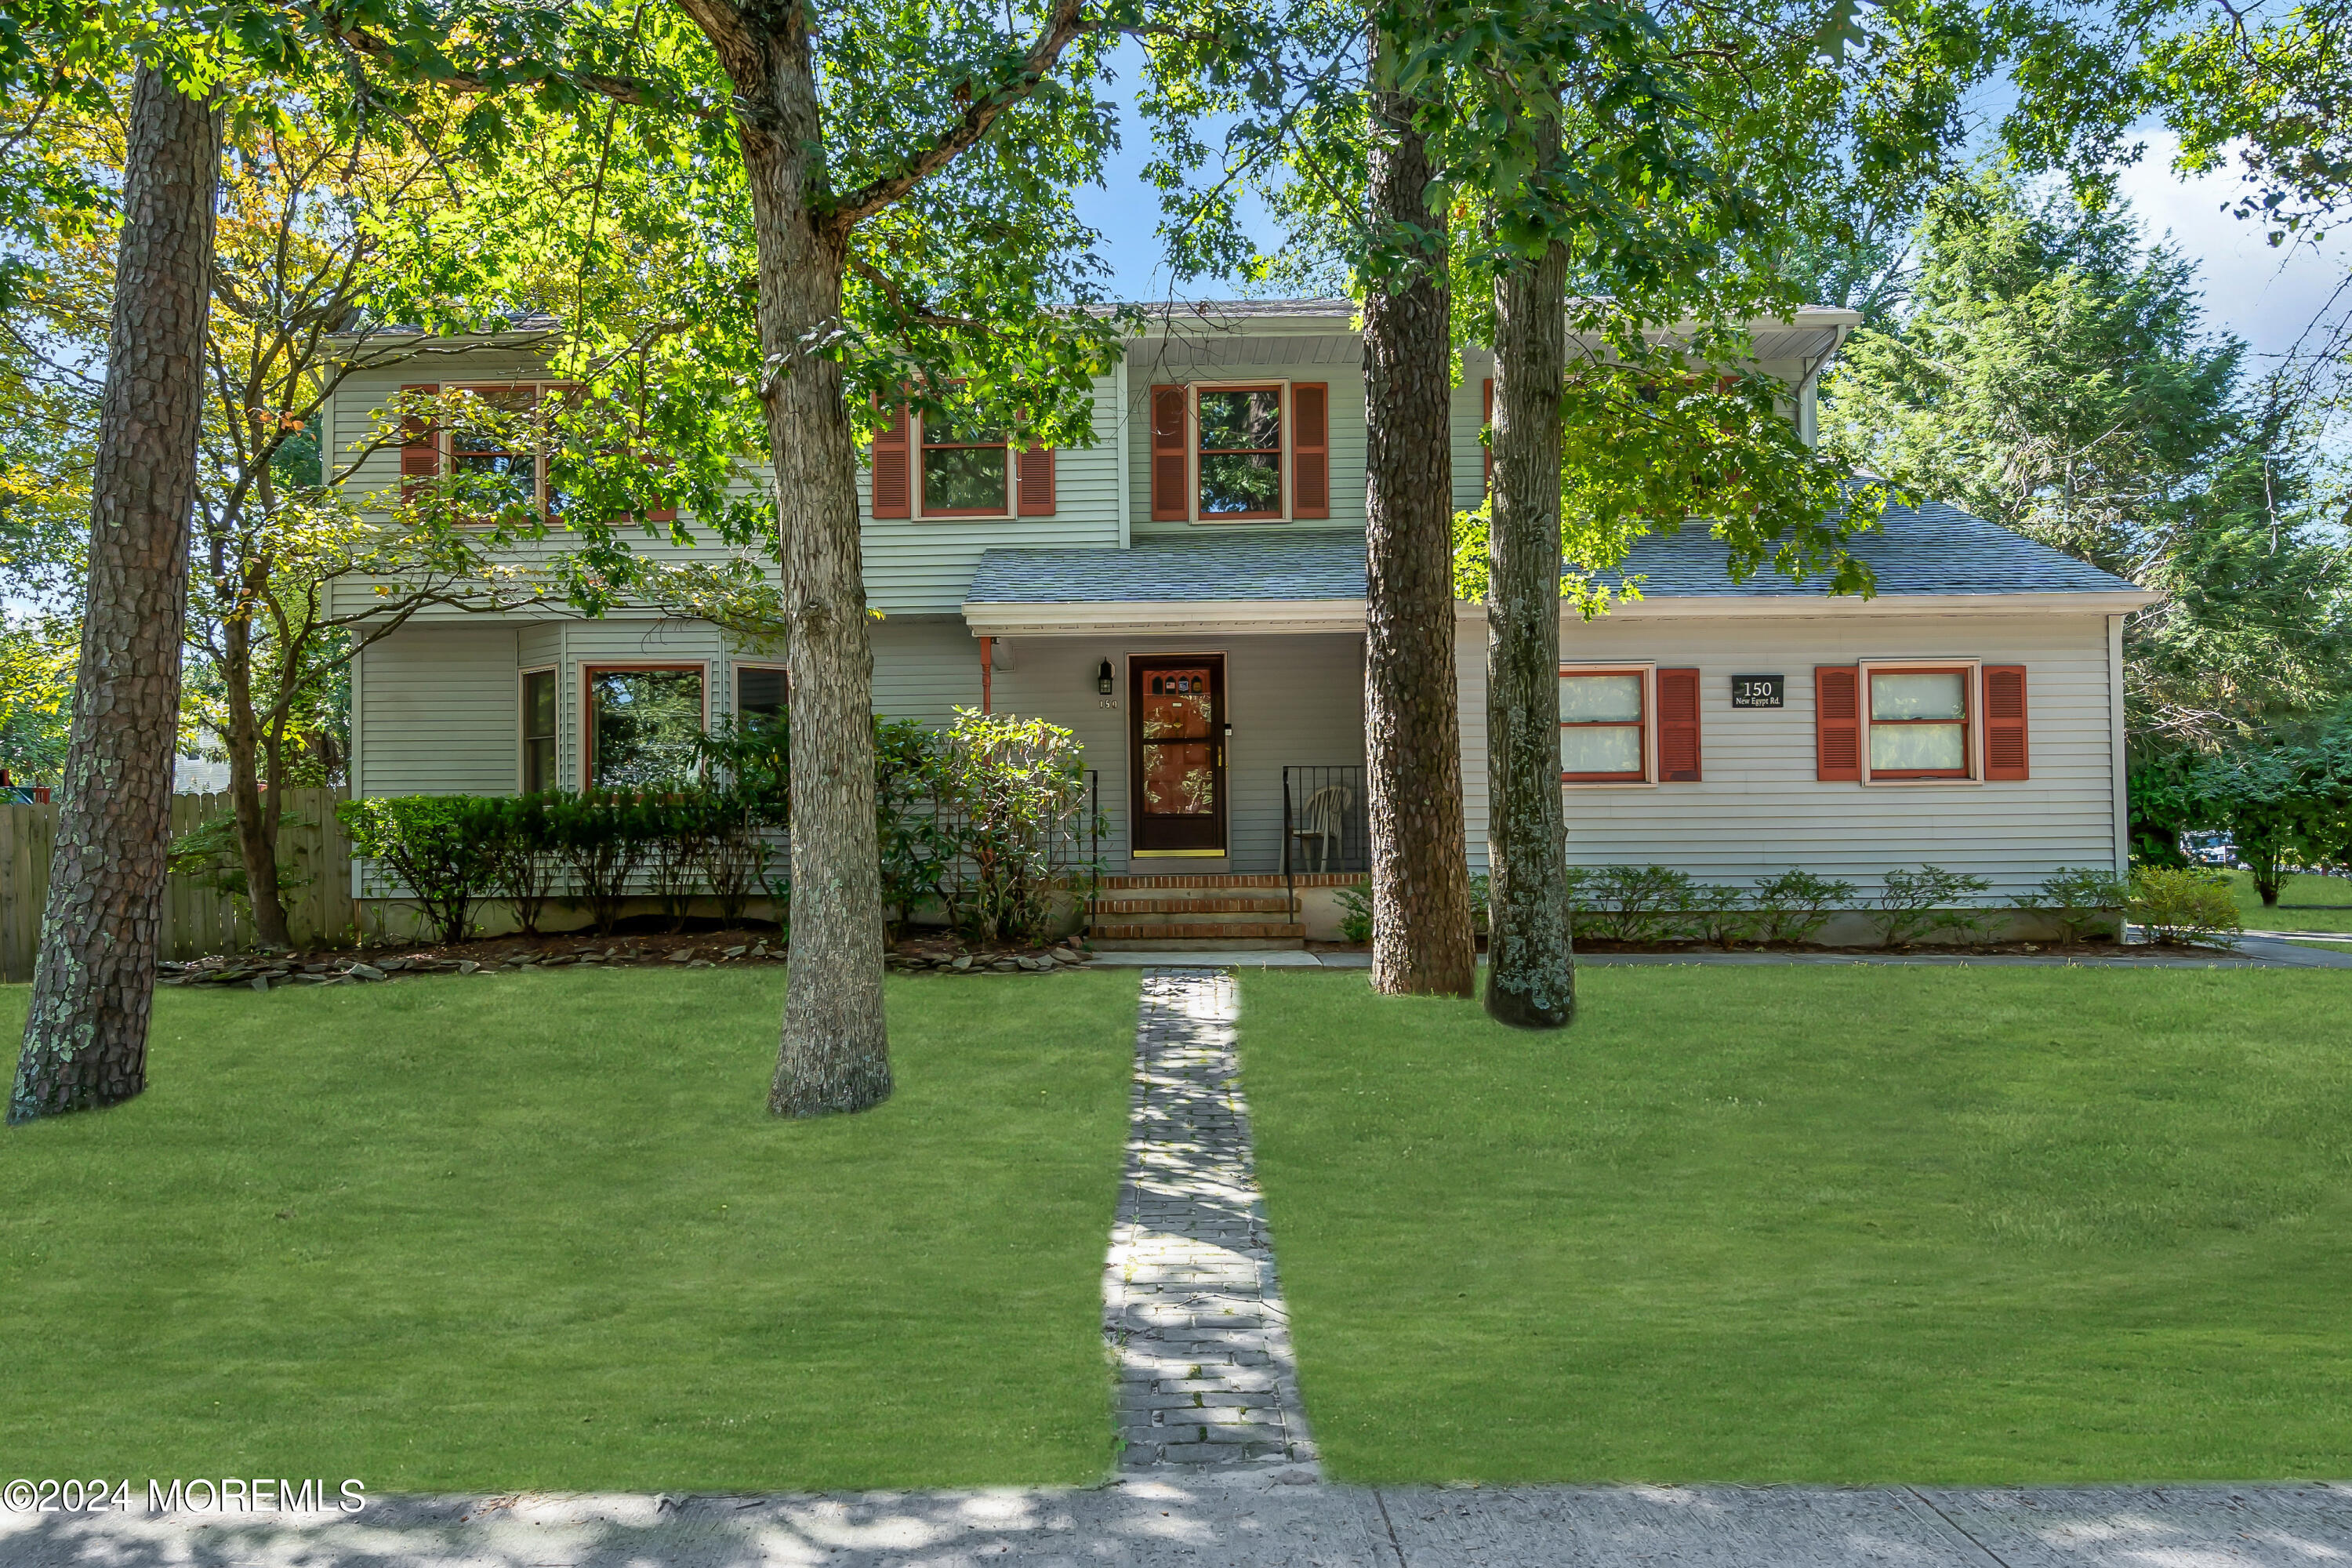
x=1002 y=619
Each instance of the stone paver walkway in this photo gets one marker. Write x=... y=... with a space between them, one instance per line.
x=1191 y=1309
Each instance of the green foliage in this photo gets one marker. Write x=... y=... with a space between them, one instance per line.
x=2053 y=374
x=1356 y=912
x=37 y=664
x=1008 y=798
x=1719 y=914
x=433 y=843
x=2076 y=897
x=1793 y=906
x=1634 y=903
x=1916 y=905
x=2180 y=906
x=518 y=848
x=2282 y=802
x=600 y=838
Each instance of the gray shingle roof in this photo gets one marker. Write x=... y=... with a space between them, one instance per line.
x=1933 y=549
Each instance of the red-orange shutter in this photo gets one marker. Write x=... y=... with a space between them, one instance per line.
x=420 y=445
x=1310 y=449
x=1837 y=722
x=1033 y=482
x=1486 y=420
x=2004 y=711
x=1678 y=752
x=1171 y=467
x=892 y=495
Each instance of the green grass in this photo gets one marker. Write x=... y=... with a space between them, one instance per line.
x=539 y=1231
x=2329 y=891
x=1960 y=1225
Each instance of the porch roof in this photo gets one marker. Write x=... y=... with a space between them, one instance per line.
x=1933 y=549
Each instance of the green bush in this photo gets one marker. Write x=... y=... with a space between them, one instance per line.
x=1356 y=912
x=1008 y=799
x=1636 y=904
x=2076 y=897
x=1916 y=905
x=519 y=862
x=2177 y=905
x=1719 y=915
x=1793 y=906
x=600 y=838
x=434 y=844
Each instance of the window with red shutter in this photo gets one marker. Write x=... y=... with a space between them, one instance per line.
x=893 y=496
x=1678 y=740
x=420 y=445
x=1837 y=722
x=1170 y=468
x=2004 y=721
x=1310 y=449
x=1033 y=482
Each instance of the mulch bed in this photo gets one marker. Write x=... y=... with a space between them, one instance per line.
x=512 y=954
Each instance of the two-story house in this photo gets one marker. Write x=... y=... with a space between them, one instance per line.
x=1187 y=596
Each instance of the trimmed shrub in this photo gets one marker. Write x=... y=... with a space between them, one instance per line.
x=1719 y=915
x=433 y=843
x=2180 y=906
x=1793 y=906
x=1638 y=903
x=1009 y=800
x=1355 y=911
x=600 y=838
x=519 y=862
x=1919 y=904
x=2076 y=897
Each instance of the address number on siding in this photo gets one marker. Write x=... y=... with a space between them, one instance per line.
x=1759 y=690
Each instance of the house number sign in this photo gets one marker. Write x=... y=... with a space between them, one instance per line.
x=1759 y=690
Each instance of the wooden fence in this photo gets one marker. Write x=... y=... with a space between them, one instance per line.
x=311 y=848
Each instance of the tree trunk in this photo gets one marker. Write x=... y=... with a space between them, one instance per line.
x=257 y=820
x=1530 y=962
x=835 y=1052
x=86 y=1033
x=1421 y=936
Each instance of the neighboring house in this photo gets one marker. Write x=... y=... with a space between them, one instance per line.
x=1187 y=596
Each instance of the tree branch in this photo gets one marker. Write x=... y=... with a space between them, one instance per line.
x=846 y=211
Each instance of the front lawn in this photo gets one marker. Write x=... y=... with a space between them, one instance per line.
x=2305 y=903
x=1818 y=1224
x=539 y=1231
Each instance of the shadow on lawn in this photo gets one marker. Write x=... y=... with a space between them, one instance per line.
x=1253 y=1520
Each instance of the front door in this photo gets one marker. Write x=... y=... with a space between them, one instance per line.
x=1178 y=742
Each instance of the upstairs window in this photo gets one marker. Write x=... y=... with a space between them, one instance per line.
x=1603 y=726
x=497 y=468
x=1919 y=723
x=967 y=469
x=1240 y=453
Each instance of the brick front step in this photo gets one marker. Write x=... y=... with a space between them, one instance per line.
x=1131 y=931
x=1116 y=906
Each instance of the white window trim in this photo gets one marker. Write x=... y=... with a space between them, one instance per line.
x=1974 y=695
x=522 y=717
x=915 y=480
x=1647 y=669
x=590 y=668
x=1193 y=452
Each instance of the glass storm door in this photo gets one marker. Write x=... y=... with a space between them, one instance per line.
x=1179 y=748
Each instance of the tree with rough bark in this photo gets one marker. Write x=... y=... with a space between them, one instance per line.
x=1424 y=941
x=85 y=1029
x=906 y=178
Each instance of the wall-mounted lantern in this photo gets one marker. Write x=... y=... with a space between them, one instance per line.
x=1106 y=682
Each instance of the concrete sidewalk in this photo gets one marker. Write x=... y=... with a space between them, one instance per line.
x=1274 y=1519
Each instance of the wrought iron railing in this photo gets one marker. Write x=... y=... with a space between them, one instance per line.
x=1325 y=826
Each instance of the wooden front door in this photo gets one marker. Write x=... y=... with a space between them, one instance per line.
x=1177 y=742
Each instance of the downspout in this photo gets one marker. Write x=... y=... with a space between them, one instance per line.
x=987 y=673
